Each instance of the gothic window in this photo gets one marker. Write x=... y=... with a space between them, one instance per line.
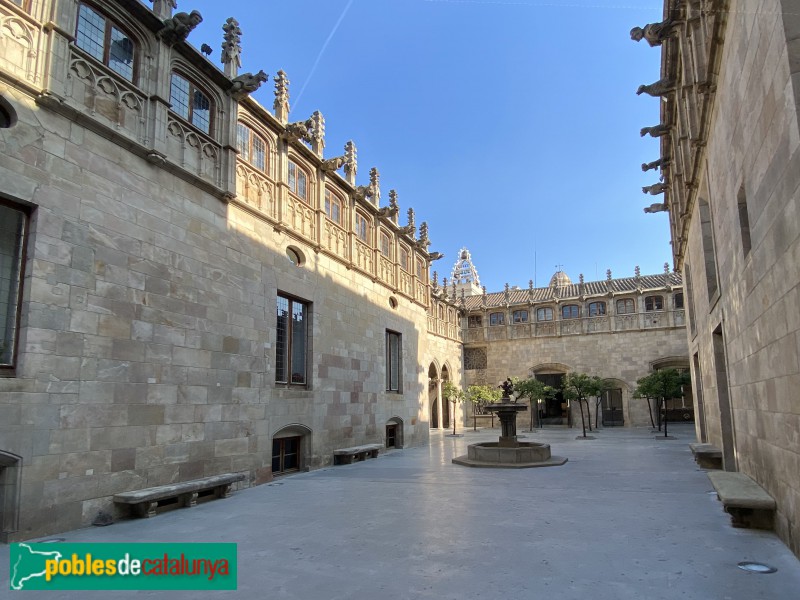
x=420 y=269
x=13 y=237
x=386 y=245
x=362 y=228
x=451 y=316
x=652 y=303
x=626 y=306
x=497 y=318
x=298 y=182
x=23 y=4
x=474 y=321
x=570 y=311
x=441 y=313
x=474 y=358
x=292 y=341
x=334 y=206
x=677 y=301
x=405 y=262
x=190 y=102
x=597 y=309
x=520 y=316
x=394 y=349
x=544 y=314
x=251 y=146
x=103 y=40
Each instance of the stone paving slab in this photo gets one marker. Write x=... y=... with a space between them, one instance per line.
x=627 y=518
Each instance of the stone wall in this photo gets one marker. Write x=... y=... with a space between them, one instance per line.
x=745 y=338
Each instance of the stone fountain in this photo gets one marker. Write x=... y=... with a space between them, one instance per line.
x=508 y=452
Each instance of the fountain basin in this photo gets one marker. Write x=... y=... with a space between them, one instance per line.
x=523 y=455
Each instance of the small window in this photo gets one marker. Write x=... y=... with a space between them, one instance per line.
x=295 y=256
x=252 y=147
x=190 y=103
x=104 y=41
x=298 y=182
x=13 y=234
x=497 y=318
x=597 y=309
x=570 y=311
x=420 y=269
x=677 y=301
x=520 y=316
x=652 y=303
x=441 y=313
x=474 y=321
x=744 y=221
x=362 y=228
x=333 y=206
x=451 y=316
x=626 y=306
x=291 y=341
x=544 y=314
x=285 y=455
x=405 y=262
x=386 y=245
x=394 y=361
x=23 y=4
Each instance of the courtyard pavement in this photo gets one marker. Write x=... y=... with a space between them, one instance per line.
x=628 y=517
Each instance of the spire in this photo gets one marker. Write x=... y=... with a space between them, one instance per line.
x=317 y=133
x=375 y=186
x=465 y=275
x=394 y=208
x=351 y=162
x=231 y=47
x=281 y=104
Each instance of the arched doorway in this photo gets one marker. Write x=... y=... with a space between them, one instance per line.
x=553 y=411
x=290 y=449
x=394 y=433
x=445 y=404
x=433 y=396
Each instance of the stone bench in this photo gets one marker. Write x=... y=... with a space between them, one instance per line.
x=707 y=456
x=145 y=502
x=346 y=456
x=743 y=499
x=477 y=416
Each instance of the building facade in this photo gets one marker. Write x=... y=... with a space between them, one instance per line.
x=620 y=329
x=190 y=286
x=730 y=157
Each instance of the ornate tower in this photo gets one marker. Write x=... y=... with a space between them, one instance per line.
x=465 y=275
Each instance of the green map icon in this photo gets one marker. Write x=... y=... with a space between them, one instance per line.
x=28 y=564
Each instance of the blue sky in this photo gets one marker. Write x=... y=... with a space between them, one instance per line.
x=511 y=127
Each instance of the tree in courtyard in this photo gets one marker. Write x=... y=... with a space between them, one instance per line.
x=580 y=387
x=482 y=394
x=453 y=394
x=661 y=385
x=534 y=390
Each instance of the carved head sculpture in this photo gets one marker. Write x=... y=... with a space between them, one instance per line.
x=637 y=34
x=195 y=18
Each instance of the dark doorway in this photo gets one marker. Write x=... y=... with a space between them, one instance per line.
x=285 y=455
x=433 y=395
x=445 y=403
x=391 y=436
x=612 y=408
x=554 y=411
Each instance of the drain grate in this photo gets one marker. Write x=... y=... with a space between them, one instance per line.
x=754 y=567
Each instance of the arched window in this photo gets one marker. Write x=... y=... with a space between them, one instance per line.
x=451 y=316
x=677 y=301
x=544 y=314
x=190 y=102
x=520 y=316
x=102 y=39
x=597 y=309
x=334 y=206
x=386 y=245
x=652 y=303
x=405 y=263
x=497 y=318
x=420 y=269
x=362 y=228
x=251 y=146
x=570 y=311
x=298 y=182
x=441 y=313
x=626 y=306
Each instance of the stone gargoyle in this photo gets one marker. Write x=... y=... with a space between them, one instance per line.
x=654 y=131
x=656 y=164
x=659 y=88
x=655 y=189
x=655 y=208
x=654 y=33
x=247 y=83
x=179 y=26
